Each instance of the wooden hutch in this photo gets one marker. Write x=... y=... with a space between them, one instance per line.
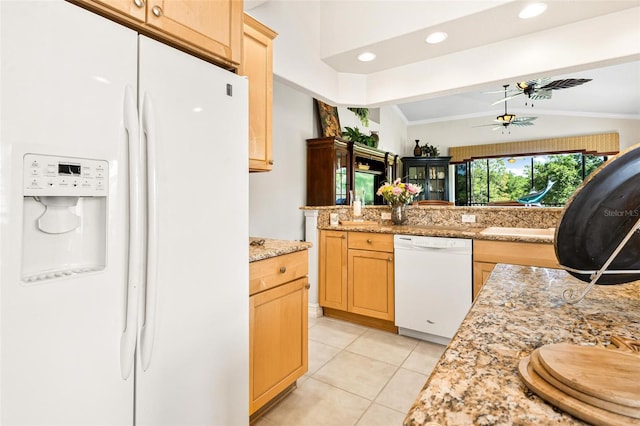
x=336 y=166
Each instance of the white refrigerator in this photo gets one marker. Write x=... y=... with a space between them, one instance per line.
x=124 y=226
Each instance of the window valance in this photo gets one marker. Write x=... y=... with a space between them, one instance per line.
x=598 y=144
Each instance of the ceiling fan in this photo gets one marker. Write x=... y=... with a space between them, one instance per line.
x=541 y=88
x=505 y=120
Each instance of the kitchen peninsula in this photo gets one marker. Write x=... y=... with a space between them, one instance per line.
x=518 y=310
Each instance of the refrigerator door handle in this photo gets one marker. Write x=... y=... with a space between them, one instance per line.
x=148 y=327
x=128 y=338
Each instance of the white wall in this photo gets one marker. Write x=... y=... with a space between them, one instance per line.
x=275 y=197
x=446 y=134
x=391 y=125
x=393 y=132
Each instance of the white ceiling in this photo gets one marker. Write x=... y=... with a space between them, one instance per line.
x=614 y=91
x=395 y=30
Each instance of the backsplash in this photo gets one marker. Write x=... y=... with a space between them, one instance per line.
x=517 y=217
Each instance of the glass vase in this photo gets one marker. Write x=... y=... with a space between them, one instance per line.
x=398 y=214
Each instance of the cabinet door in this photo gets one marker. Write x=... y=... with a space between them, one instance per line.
x=214 y=26
x=278 y=342
x=257 y=65
x=416 y=174
x=342 y=182
x=135 y=9
x=332 y=273
x=371 y=289
x=437 y=185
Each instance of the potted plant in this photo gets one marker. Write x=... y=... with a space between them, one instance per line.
x=354 y=135
x=429 y=150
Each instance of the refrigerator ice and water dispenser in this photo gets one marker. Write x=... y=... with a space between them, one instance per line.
x=64 y=216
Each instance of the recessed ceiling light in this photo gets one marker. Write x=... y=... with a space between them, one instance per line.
x=532 y=10
x=366 y=57
x=437 y=37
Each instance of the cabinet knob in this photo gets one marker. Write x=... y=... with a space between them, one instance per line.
x=139 y=3
x=369 y=241
x=343 y=237
x=283 y=269
x=271 y=162
x=307 y=286
x=390 y=259
x=157 y=11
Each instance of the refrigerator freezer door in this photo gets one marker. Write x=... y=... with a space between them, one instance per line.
x=197 y=370
x=63 y=76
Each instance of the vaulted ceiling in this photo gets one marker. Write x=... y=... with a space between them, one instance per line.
x=487 y=46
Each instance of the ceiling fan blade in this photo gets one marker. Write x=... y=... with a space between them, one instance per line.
x=523 y=119
x=484 y=125
x=565 y=84
x=521 y=123
x=507 y=98
x=541 y=94
x=501 y=91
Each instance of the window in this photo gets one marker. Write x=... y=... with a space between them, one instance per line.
x=490 y=180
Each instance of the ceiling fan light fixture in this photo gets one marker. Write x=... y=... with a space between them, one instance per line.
x=366 y=56
x=505 y=118
x=532 y=10
x=436 y=37
x=511 y=160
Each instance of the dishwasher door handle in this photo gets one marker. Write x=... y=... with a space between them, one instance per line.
x=428 y=246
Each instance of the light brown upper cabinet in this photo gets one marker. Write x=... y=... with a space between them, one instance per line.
x=211 y=29
x=257 y=65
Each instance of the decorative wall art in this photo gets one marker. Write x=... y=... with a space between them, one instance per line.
x=329 y=121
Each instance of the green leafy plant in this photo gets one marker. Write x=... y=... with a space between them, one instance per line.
x=354 y=135
x=362 y=114
x=430 y=150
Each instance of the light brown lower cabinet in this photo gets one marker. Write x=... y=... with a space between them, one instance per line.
x=332 y=269
x=278 y=346
x=356 y=277
x=486 y=254
x=371 y=289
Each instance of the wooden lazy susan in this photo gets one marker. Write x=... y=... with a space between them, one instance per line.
x=598 y=385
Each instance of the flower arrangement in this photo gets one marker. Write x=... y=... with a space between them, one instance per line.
x=398 y=192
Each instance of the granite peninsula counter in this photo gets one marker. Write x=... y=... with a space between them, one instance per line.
x=443 y=221
x=519 y=309
x=265 y=248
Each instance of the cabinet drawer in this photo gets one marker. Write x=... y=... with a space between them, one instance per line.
x=515 y=253
x=272 y=272
x=371 y=241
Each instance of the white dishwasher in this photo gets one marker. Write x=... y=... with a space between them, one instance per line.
x=433 y=285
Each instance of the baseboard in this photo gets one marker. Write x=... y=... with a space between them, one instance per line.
x=315 y=310
x=361 y=319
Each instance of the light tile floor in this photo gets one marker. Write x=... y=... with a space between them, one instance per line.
x=357 y=376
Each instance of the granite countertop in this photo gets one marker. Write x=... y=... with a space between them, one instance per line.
x=518 y=310
x=462 y=231
x=272 y=248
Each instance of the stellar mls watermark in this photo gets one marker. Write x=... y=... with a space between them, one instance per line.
x=621 y=213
